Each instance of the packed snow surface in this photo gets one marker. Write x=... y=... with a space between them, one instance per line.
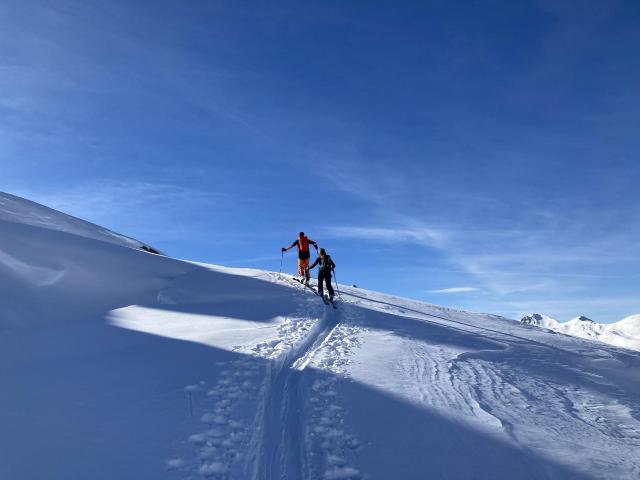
x=625 y=333
x=119 y=364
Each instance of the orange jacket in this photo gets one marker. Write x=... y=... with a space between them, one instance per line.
x=303 y=244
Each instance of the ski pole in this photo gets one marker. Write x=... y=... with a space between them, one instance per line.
x=337 y=289
x=281 y=258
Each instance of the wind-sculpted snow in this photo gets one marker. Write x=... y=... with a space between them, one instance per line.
x=120 y=364
x=20 y=210
x=55 y=267
x=49 y=275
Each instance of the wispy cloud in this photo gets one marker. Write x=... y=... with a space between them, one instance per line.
x=542 y=259
x=456 y=290
x=54 y=97
x=429 y=237
x=109 y=197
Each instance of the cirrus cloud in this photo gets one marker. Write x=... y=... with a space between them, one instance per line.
x=455 y=290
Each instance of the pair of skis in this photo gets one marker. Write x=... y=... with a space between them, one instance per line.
x=325 y=300
x=328 y=302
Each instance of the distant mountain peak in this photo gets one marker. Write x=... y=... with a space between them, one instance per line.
x=625 y=333
x=533 y=319
x=539 y=320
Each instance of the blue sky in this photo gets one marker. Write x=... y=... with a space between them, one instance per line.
x=480 y=155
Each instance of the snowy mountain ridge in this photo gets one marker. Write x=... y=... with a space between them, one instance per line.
x=539 y=320
x=19 y=210
x=117 y=363
x=625 y=333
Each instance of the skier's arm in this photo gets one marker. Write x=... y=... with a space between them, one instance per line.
x=290 y=246
x=314 y=263
x=333 y=265
x=315 y=245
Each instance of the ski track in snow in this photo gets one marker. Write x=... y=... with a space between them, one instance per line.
x=280 y=444
x=503 y=389
x=286 y=416
x=300 y=432
x=490 y=387
x=326 y=431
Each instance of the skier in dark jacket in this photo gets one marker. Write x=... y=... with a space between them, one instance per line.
x=324 y=274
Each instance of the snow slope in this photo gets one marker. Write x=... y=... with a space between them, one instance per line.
x=49 y=275
x=115 y=363
x=629 y=331
x=23 y=211
x=625 y=333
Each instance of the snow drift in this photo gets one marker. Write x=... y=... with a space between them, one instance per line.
x=55 y=267
x=116 y=363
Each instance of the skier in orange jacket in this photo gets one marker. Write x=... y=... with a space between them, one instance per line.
x=303 y=243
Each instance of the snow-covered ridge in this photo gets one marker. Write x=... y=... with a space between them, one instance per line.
x=625 y=333
x=54 y=266
x=20 y=210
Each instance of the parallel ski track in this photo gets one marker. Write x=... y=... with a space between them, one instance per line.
x=281 y=446
x=508 y=338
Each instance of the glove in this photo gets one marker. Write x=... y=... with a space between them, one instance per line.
x=284 y=249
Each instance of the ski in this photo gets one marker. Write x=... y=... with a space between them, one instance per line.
x=304 y=284
x=324 y=299
x=329 y=302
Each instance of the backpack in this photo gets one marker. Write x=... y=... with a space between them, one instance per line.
x=303 y=244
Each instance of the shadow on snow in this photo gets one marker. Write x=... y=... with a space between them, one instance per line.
x=90 y=400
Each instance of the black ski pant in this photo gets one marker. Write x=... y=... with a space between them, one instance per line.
x=325 y=276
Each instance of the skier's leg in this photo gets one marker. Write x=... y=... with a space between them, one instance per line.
x=329 y=286
x=307 y=272
x=320 y=280
x=301 y=268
